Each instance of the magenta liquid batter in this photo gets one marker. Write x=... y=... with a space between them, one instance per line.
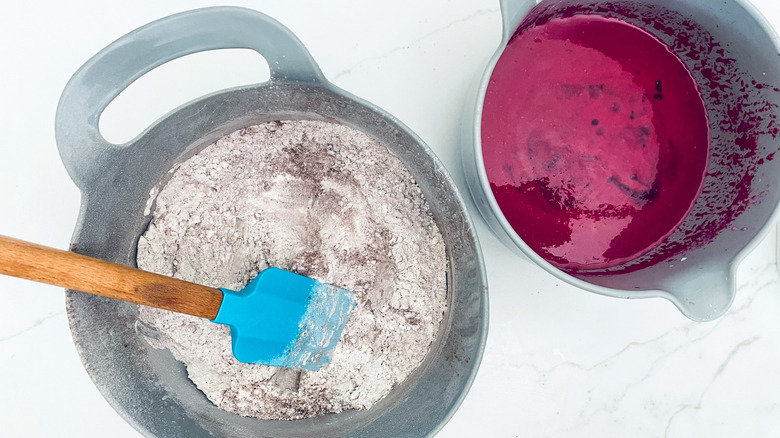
x=595 y=140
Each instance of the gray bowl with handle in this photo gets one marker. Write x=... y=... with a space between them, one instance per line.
x=732 y=52
x=148 y=387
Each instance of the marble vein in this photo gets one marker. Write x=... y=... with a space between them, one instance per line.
x=697 y=406
x=614 y=405
x=417 y=41
x=31 y=327
x=757 y=283
x=760 y=281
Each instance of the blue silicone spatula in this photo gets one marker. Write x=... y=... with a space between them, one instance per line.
x=280 y=318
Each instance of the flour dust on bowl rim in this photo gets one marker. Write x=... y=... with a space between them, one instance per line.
x=731 y=53
x=148 y=387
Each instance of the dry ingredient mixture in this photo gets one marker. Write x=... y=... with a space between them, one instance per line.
x=319 y=199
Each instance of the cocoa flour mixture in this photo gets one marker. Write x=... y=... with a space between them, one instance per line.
x=319 y=199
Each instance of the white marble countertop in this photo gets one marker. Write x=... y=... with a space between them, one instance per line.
x=559 y=361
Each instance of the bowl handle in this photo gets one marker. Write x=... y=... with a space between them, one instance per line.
x=83 y=149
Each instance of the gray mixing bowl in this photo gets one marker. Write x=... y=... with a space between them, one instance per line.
x=732 y=52
x=148 y=387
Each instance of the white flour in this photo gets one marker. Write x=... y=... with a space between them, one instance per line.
x=319 y=199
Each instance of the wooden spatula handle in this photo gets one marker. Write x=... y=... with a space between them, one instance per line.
x=75 y=271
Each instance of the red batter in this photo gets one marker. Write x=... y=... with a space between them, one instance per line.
x=595 y=140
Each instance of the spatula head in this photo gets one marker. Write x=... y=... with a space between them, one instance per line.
x=286 y=320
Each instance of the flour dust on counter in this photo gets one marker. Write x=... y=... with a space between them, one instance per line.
x=319 y=199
